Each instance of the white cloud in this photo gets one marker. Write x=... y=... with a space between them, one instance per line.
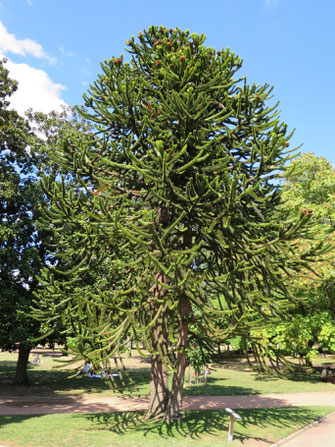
x=36 y=90
x=9 y=43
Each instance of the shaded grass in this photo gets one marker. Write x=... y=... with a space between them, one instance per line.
x=221 y=382
x=48 y=378
x=322 y=359
x=198 y=428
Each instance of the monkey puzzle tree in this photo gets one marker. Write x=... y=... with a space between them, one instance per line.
x=174 y=194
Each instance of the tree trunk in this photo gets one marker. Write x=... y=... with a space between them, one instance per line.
x=330 y=294
x=159 y=387
x=175 y=405
x=21 y=375
x=162 y=402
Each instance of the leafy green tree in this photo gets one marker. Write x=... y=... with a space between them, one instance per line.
x=310 y=184
x=300 y=336
x=309 y=187
x=174 y=193
x=21 y=249
x=24 y=145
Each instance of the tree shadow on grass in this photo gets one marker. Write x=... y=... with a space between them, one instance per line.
x=44 y=381
x=290 y=418
x=197 y=423
x=136 y=381
x=298 y=375
x=214 y=387
x=222 y=386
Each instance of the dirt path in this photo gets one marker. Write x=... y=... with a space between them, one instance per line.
x=93 y=404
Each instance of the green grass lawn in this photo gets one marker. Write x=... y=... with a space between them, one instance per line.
x=198 y=428
x=221 y=382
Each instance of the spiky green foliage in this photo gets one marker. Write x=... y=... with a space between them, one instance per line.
x=169 y=210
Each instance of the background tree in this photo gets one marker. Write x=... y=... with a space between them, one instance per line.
x=24 y=145
x=309 y=182
x=174 y=191
x=21 y=251
x=310 y=185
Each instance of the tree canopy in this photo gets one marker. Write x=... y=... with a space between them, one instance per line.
x=310 y=184
x=24 y=145
x=21 y=251
x=309 y=187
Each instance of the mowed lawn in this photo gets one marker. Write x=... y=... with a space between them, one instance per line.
x=222 y=381
x=198 y=428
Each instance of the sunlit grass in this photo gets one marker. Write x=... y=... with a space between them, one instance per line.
x=197 y=429
x=221 y=382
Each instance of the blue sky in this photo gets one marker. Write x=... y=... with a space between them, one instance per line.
x=54 y=48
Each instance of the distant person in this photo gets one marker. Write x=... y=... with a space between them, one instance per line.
x=86 y=369
x=327 y=375
x=207 y=371
x=93 y=375
x=37 y=359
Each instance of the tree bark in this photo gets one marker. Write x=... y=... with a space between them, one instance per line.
x=175 y=405
x=21 y=374
x=159 y=387
x=330 y=294
x=162 y=402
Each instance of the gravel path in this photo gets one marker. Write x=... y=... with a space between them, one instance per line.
x=96 y=403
